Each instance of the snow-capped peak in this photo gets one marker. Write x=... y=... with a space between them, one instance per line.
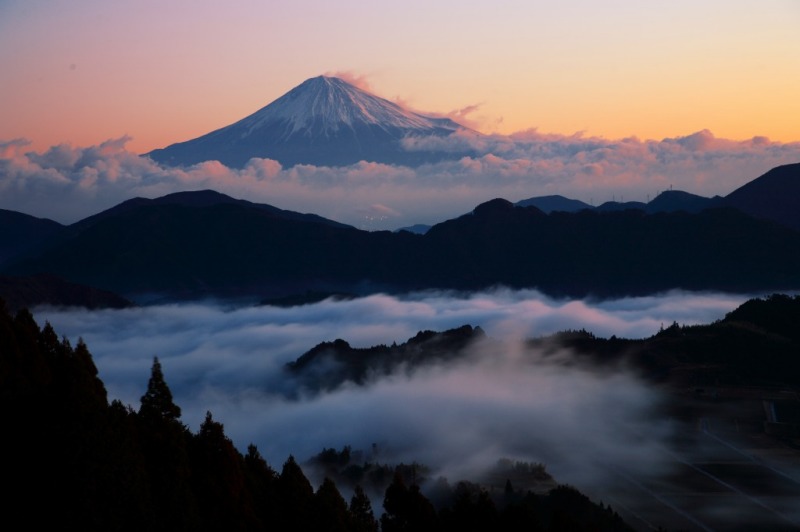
x=327 y=104
x=322 y=121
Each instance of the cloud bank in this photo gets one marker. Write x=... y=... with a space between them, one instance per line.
x=456 y=418
x=67 y=183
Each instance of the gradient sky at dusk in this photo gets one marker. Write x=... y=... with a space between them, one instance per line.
x=82 y=72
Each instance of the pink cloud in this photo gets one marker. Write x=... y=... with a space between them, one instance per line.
x=10 y=149
x=263 y=169
x=67 y=183
x=359 y=80
x=464 y=116
x=377 y=210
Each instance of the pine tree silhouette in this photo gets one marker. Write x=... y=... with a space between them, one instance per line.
x=361 y=510
x=157 y=401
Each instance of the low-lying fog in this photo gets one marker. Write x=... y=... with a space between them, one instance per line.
x=455 y=418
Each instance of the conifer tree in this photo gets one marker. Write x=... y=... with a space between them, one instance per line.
x=296 y=497
x=361 y=510
x=218 y=479
x=157 y=402
x=331 y=509
x=262 y=483
x=406 y=508
x=165 y=445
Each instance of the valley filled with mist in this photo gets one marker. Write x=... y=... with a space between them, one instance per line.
x=513 y=391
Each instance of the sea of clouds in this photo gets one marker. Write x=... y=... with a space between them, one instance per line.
x=457 y=418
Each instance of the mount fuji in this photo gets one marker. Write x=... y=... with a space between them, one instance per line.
x=324 y=121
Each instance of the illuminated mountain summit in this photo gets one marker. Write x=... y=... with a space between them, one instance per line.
x=323 y=121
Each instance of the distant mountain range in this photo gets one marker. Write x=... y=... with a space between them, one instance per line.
x=548 y=204
x=206 y=244
x=323 y=121
x=780 y=187
x=667 y=201
x=773 y=196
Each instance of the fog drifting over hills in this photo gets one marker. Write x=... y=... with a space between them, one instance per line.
x=456 y=418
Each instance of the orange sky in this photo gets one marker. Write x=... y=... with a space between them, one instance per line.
x=86 y=71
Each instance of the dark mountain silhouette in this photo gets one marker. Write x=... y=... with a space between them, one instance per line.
x=230 y=249
x=24 y=235
x=611 y=253
x=331 y=364
x=44 y=289
x=772 y=196
x=199 y=244
x=549 y=204
x=678 y=200
x=419 y=229
x=21 y=233
x=617 y=206
x=322 y=121
x=754 y=345
x=200 y=198
x=667 y=201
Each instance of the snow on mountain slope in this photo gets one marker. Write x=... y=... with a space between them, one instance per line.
x=323 y=121
x=333 y=103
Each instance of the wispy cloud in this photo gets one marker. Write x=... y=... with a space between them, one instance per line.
x=353 y=78
x=466 y=116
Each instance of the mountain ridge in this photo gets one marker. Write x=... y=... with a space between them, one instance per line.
x=203 y=243
x=232 y=249
x=201 y=198
x=21 y=233
x=774 y=196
